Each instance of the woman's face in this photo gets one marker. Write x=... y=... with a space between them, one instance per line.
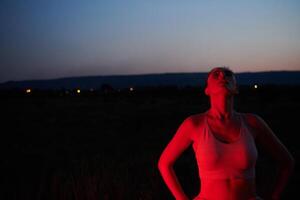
x=221 y=80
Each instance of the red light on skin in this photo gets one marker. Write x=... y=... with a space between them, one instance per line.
x=225 y=149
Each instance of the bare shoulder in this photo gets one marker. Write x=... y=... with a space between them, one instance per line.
x=259 y=127
x=251 y=119
x=254 y=122
x=196 y=119
x=194 y=122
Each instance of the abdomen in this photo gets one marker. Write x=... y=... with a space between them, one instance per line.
x=227 y=189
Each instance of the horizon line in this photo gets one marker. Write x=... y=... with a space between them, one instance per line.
x=141 y=74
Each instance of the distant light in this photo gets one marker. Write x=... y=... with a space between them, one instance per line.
x=91 y=89
x=255 y=86
x=78 y=91
x=131 y=89
x=28 y=91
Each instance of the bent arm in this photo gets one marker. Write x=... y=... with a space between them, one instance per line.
x=268 y=141
x=174 y=149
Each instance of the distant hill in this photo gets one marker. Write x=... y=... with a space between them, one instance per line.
x=166 y=79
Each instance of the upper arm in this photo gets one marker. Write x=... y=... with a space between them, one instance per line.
x=267 y=140
x=180 y=142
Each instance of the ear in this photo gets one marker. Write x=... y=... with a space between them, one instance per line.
x=206 y=91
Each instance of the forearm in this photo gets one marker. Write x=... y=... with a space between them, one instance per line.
x=172 y=182
x=283 y=174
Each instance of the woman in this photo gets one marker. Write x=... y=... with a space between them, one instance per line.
x=224 y=142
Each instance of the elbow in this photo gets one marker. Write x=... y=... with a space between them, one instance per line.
x=162 y=165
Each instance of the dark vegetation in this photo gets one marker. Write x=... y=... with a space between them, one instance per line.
x=106 y=144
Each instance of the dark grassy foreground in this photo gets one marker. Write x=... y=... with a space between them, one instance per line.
x=106 y=146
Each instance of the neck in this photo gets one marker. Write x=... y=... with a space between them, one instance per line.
x=221 y=107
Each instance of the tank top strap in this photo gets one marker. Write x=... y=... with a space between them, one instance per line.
x=244 y=127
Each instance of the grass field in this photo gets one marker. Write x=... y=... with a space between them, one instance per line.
x=106 y=145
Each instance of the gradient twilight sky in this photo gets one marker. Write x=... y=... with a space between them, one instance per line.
x=43 y=39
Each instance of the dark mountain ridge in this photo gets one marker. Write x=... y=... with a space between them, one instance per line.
x=148 y=80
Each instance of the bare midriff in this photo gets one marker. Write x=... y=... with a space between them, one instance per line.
x=227 y=189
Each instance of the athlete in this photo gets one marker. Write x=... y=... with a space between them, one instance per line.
x=224 y=142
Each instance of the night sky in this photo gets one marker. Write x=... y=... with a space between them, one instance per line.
x=42 y=39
